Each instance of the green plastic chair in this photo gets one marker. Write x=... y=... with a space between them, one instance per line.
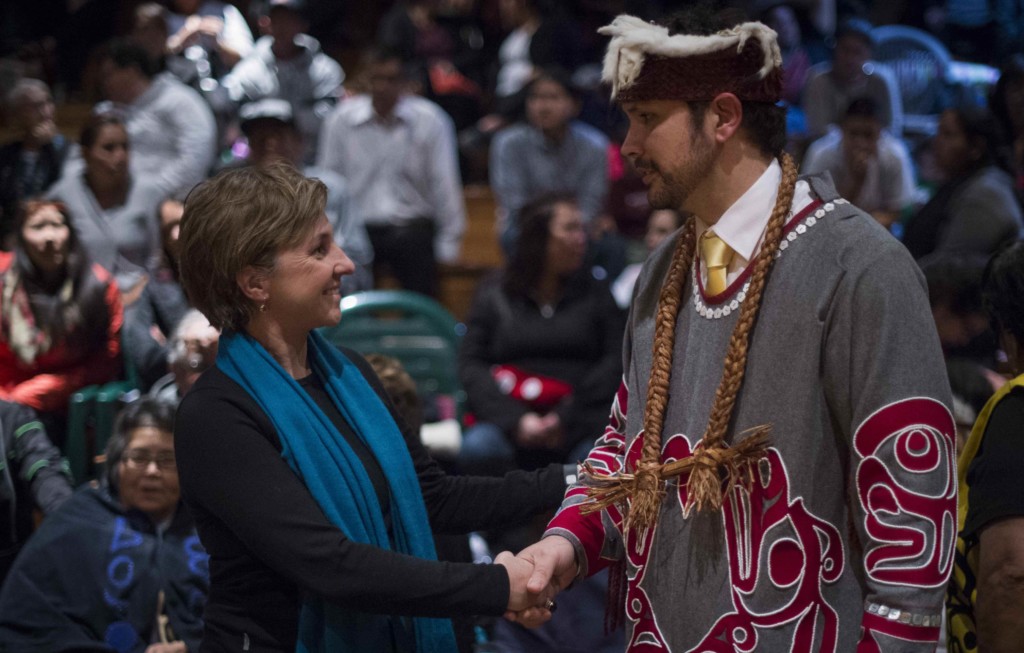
x=408 y=326
x=92 y=411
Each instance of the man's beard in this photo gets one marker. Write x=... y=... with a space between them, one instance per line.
x=671 y=189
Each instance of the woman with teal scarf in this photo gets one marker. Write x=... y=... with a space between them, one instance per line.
x=312 y=497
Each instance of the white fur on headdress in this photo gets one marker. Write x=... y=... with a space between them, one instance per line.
x=633 y=39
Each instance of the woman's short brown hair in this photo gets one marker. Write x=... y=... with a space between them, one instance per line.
x=239 y=218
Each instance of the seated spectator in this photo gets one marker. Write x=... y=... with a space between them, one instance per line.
x=397 y=152
x=156 y=312
x=1007 y=103
x=985 y=599
x=119 y=567
x=551 y=152
x=274 y=136
x=975 y=209
x=541 y=35
x=60 y=316
x=954 y=294
x=660 y=225
x=149 y=31
x=288 y=64
x=34 y=477
x=870 y=168
x=832 y=85
x=445 y=49
x=192 y=349
x=31 y=163
x=172 y=130
x=799 y=51
x=211 y=30
x=112 y=206
x=541 y=355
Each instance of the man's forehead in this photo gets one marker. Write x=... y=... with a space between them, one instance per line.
x=634 y=106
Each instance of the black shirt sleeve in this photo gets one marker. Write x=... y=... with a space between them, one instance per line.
x=250 y=503
x=994 y=476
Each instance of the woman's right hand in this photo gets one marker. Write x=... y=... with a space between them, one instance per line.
x=519 y=573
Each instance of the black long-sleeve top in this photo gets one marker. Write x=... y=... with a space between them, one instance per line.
x=269 y=542
x=580 y=342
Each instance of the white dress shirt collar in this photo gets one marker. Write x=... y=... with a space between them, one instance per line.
x=363 y=111
x=743 y=224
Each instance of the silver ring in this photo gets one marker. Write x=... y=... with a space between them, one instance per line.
x=550 y=605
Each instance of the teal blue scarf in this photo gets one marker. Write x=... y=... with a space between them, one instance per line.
x=319 y=454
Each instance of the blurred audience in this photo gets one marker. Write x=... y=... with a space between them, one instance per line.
x=870 y=167
x=541 y=355
x=288 y=64
x=954 y=294
x=799 y=49
x=397 y=152
x=192 y=349
x=831 y=86
x=138 y=577
x=208 y=29
x=985 y=595
x=274 y=136
x=30 y=164
x=660 y=225
x=172 y=130
x=112 y=207
x=550 y=152
x=1007 y=103
x=60 y=316
x=33 y=478
x=975 y=210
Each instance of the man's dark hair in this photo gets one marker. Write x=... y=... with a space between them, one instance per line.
x=858 y=28
x=125 y=54
x=954 y=281
x=1002 y=291
x=764 y=123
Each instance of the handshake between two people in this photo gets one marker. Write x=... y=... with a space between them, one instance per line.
x=535 y=576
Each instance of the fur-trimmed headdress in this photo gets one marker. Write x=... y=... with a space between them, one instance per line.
x=645 y=62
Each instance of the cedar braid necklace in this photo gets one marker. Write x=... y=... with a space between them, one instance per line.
x=715 y=467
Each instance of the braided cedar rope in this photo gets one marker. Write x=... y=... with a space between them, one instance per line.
x=714 y=467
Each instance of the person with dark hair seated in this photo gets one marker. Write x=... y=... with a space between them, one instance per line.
x=550 y=152
x=541 y=356
x=986 y=596
x=118 y=567
x=975 y=210
x=172 y=130
x=869 y=166
x=60 y=316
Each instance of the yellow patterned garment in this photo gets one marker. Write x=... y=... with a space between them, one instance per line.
x=963 y=586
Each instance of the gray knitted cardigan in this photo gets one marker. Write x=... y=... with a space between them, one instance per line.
x=847 y=532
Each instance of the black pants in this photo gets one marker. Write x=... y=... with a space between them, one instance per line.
x=408 y=251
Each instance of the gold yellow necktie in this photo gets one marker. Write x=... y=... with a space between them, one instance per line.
x=716 y=256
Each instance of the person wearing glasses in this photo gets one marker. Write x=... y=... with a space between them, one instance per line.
x=119 y=566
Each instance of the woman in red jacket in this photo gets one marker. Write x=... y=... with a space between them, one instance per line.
x=60 y=315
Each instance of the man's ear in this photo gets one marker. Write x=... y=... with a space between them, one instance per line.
x=254 y=283
x=725 y=114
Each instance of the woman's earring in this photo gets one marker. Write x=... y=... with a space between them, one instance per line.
x=263 y=307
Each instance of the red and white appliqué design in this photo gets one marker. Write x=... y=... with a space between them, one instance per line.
x=906 y=486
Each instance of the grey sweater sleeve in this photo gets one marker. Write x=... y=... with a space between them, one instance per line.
x=888 y=396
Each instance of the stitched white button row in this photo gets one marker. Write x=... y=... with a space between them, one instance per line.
x=718 y=312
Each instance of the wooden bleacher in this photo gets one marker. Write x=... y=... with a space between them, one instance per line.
x=481 y=252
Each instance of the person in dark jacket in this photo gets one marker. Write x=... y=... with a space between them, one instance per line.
x=118 y=567
x=35 y=476
x=540 y=360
